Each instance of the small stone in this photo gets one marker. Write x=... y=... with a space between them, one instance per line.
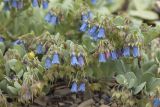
x=114 y=105
x=104 y=106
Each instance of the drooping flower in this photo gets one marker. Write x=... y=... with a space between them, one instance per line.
x=55 y=59
x=81 y=60
x=53 y=20
x=39 y=49
x=14 y=3
x=113 y=55
x=74 y=88
x=126 y=51
x=74 y=60
x=84 y=17
x=90 y=15
x=34 y=3
x=82 y=87
x=84 y=26
x=93 y=2
x=20 y=4
x=45 y=4
x=101 y=33
x=18 y=42
x=92 y=30
x=1 y=39
x=156 y=102
x=48 y=17
x=6 y=5
x=48 y=63
x=94 y=36
x=102 y=57
x=135 y=51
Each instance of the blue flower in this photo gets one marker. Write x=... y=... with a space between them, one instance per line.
x=101 y=33
x=82 y=87
x=135 y=51
x=55 y=59
x=45 y=4
x=90 y=15
x=84 y=17
x=83 y=27
x=94 y=36
x=6 y=6
x=14 y=3
x=48 y=63
x=35 y=3
x=113 y=55
x=48 y=17
x=81 y=60
x=74 y=88
x=1 y=39
x=156 y=102
x=92 y=30
x=74 y=60
x=53 y=20
x=39 y=49
x=102 y=57
x=20 y=5
x=93 y=2
x=126 y=51
x=18 y=42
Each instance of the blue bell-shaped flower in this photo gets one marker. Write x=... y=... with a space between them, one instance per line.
x=48 y=17
x=84 y=17
x=34 y=3
x=74 y=88
x=101 y=33
x=156 y=102
x=92 y=30
x=1 y=39
x=94 y=36
x=20 y=4
x=53 y=20
x=74 y=60
x=48 y=63
x=93 y=2
x=113 y=55
x=90 y=15
x=55 y=59
x=102 y=57
x=6 y=0
x=45 y=4
x=14 y=3
x=81 y=60
x=18 y=42
x=135 y=51
x=126 y=51
x=39 y=49
x=82 y=87
x=84 y=26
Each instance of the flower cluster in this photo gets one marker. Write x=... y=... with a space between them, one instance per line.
x=75 y=88
x=156 y=102
x=9 y=4
x=115 y=54
x=1 y=39
x=35 y=3
x=51 y=18
x=52 y=61
x=18 y=4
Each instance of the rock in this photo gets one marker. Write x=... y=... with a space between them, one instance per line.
x=87 y=103
x=62 y=92
x=104 y=106
x=40 y=101
x=114 y=105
